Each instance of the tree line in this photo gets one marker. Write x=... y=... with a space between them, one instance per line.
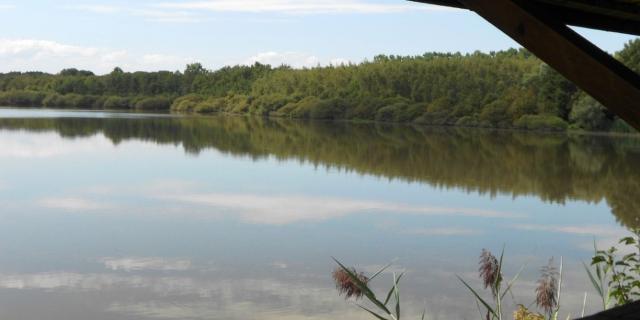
x=504 y=89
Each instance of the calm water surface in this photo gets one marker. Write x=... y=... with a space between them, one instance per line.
x=129 y=216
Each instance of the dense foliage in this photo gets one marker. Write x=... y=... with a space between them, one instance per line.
x=506 y=89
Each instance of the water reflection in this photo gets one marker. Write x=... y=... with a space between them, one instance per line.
x=107 y=217
x=556 y=168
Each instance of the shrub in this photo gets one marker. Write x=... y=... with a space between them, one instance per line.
x=364 y=108
x=237 y=104
x=186 y=103
x=266 y=104
x=211 y=105
x=22 y=98
x=115 y=102
x=468 y=121
x=388 y=113
x=588 y=114
x=438 y=112
x=99 y=102
x=79 y=101
x=541 y=122
x=53 y=100
x=154 y=103
x=495 y=114
x=328 y=109
x=303 y=108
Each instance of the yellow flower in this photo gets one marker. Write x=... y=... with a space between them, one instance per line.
x=524 y=314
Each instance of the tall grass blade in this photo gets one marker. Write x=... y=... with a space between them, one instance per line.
x=510 y=284
x=584 y=305
x=386 y=301
x=397 y=294
x=595 y=283
x=486 y=305
x=380 y=271
x=372 y=313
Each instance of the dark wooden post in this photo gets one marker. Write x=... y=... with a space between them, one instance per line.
x=628 y=312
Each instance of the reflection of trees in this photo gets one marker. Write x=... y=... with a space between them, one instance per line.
x=553 y=167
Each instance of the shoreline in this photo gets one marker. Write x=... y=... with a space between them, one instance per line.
x=568 y=132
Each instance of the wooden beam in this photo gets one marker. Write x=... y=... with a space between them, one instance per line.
x=542 y=33
x=594 y=14
x=627 y=312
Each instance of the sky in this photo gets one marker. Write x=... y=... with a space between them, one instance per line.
x=150 y=35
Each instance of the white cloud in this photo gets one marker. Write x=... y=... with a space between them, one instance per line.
x=72 y=204
x=5 y=6
x=587 y=230
x=200 y=298
x=51 y=56
x=445 y=231
x=166 y=15
x=605 y=236
x=97 y=8
x=282 y=210
x=48 y=145
x=146 y=263
x=41 y=48
x=151 y=14
x=299 y=6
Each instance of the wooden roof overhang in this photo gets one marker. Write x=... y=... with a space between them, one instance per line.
x=627 y=312
x=541 y=26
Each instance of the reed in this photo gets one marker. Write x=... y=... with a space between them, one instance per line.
x=615 y=277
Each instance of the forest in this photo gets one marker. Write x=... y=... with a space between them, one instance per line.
x=504 y=89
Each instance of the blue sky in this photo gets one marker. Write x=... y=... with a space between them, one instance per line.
x=167 y=34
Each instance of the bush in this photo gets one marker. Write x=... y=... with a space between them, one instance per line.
x=328 y=109
x=79 y=101
x=541 y=122
x=99 y=102
x=186 y=103
x=71 y=100
x=266 y=104
x=154 y=103
x=468 y=121
x=438 y=112
x=115 y=102
x=588 y=114
x=22 y=98
x=286 y=110
x=211 y=105
x=53 y=100
x=237 y=104
x=495 y=115
x=303 y=108
x=388 y=113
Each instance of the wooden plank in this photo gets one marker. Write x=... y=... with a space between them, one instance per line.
x=593 y=70
x=627 y=312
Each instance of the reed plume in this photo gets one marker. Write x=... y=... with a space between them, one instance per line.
x=547 y=289
x=489 y=271
x=346 y=285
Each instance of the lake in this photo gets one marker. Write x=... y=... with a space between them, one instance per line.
x=107 y=215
